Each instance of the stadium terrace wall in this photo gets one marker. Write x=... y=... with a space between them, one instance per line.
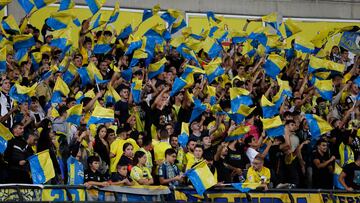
x=61 y=193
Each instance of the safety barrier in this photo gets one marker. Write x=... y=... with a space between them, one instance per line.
x=61 y=193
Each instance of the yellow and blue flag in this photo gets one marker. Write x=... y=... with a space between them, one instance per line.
x=178 y=85
x=21 y=55
x=214 y=70
x=274 y=64
x=178 y=25
x=97 y=22
x=101 y=115
x=66 y=5
x=9 y=25
x=74 y=114
x=111 y=96
x=60 y=90
x=212 y=47
x=136 y=87
x=187 y=53
x=239 y=96
x=27 y=5
x=3 y=59
x=273 y=20
x=201 y=177
x=36 y=58
x=184 y=135
x=115 y=14
x=336 y=67
x=156 y=68
x=42 y=168
x=245 y=187
x=125 y=32
x=198 y=109
x=138 y=54
x=3 y=3
x=285 y=88
x=87 y=74
x=317 y=125
x=211 y=91
x=188 y=74
x=336 y=174
x=170 y=16
x=291 y=28
x=324 y=88
x=127 y=74
x=212 y=19
x=42 y=3
x=62 y=40
x=238 y=37
x=238 y=133
x=94 y=5
x=102 y=48
x=346 y=154
x=317 y=64
x=269 y=109
x=61 y=20
x=70 y=73
x=350 y=41
x=22 y=93
x=5 y=136
x=23 y=41
x=75 y=171
x=134 y=44
x=241 y=113
x=303 y=47
x=273 y=126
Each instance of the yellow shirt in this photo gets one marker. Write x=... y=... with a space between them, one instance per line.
x=149 y=163
x=256 y=176
x=138 y=173
x=117 y=148
x=159 y=150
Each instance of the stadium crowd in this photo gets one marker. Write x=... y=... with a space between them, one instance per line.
x=172 y=110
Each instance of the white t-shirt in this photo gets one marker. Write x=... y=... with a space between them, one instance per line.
x=251 y=154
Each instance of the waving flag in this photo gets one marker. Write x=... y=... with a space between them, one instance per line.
x=211 y=91
x=111 y=96
x=201 y=177
x=74 y=114
x=97 y=22
x=22 y=93
x=3 y=3
x=156 y=68
x=3 y=55
x=70 y=73
x=238 y=133
x=178 y=25
x=125 y=32
x=303 y=47
x=268 y=108
x=324 y=88
x=94 y=5
x=238 y=37
x=241 y=113
x=115 y=14
x=273 y=126
x=43 y=3
x=27 y=5
x=187 y=54
x=245 y=187
x=285 y=88
x=274 y=64
x=66 y=5
x=61 y=20
x=62 y=40
x=21 y=55
x=317 y=125
x=101 y=115
x=291 y=28
x=198 y=109
x=184 y=135
x=170 y=16
x=10 y=25
x=87 y=74
x=239 y=96
x=178 y=85
x=23 y=41
x=5 y=136
x=213 y=69
x=42 y=168
x=61 y=89
x=273 y=20
x=336 y=174
x=212 y=47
